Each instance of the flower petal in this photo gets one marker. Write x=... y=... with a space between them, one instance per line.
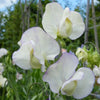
x=98 y=80
x=85 y=85
x=1 y=68
x=78 y=25
x=21 y=57
x=51 y=18
x=45 y=47
x=70 y=85
x=2 y=80
x=96 y=71
x=3 y=52
x=34 y=62
x=60 y=71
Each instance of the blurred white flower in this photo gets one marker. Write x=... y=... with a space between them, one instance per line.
x=62 y=22
x=3 y=52
x=2 y=79
x=61 y=76
x=1 y=68
x=96 y=71
x=35 y=47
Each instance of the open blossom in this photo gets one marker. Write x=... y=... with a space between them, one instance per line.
x=3 y=52
x=62 y=76
x=2 y=79
x=35 y=47
x=62 y=22
x=96 y=71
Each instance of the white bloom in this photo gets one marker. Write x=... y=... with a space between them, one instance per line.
x=96 y=71
x=1 y=68
x=2 y=80
x=3 y=52
x=62 y=22
x=35 y=47
x=62 y=76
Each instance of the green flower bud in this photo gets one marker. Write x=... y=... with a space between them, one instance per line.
x=81 y=54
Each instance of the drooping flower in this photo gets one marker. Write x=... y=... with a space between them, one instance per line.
x=3 y=52
x=35 y=47
x=2 y=79
x=61 y=76
x=62 y=22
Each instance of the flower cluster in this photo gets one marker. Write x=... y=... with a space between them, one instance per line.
x=90 y=56
x=37 y=46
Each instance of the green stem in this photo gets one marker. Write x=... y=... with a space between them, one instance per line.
x=3 y=93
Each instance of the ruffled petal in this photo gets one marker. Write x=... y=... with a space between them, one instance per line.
x=85 y=85
x=21 y=57
x=51 y=18
x=60 y=71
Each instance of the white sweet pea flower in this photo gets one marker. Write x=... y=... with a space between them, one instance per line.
x=35 y=47
x=3 y=52
x=62 y=76
x=2 y=79
x=62 y=22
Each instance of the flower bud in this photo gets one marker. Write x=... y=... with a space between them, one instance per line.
x=81 y=54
